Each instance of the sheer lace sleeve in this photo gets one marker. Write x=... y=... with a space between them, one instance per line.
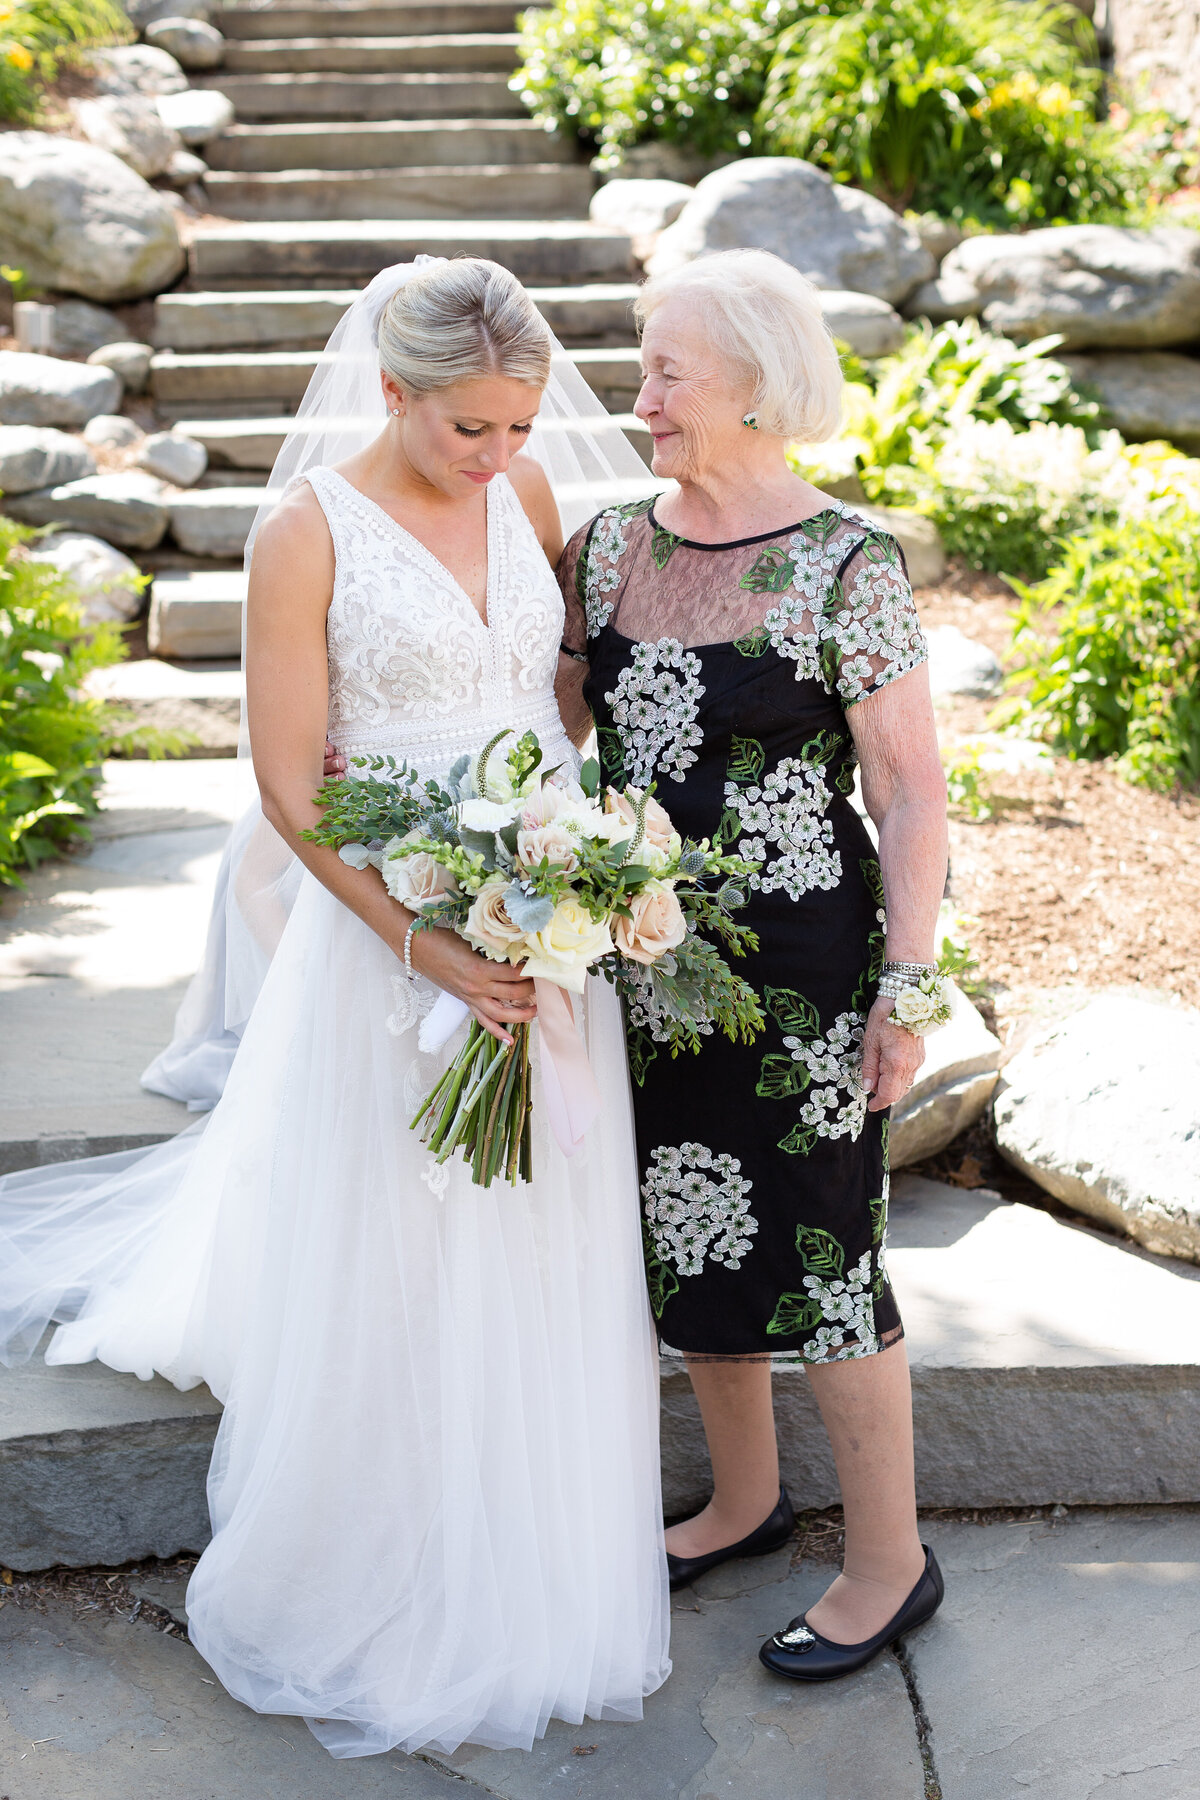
x=573 y=659
x=874 y=634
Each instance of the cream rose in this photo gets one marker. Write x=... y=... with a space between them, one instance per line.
x=488 y=926
x=565 y=950
x=656 y=924
x=923 y=1009
x=416 y=881
x=550 y=842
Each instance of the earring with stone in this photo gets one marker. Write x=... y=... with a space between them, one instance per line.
x=751 y=419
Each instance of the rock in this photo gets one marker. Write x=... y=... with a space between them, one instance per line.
x=1103 y=1111
x=640 y=208
x=1097 y=285
x=659 y=161
x=45 y=390
x=109 y=584
x=939 y=236
x=197 y=614
x=129 y=125
x=184 y=168
x=214 y=521
x=111 y=431
x=869 y=326
x=198 y=116
x=126 y=509
x=192 y=42
x=144 y=12
x=961 y=665
x=137 y=69
x=78 y=219
x=130 y=360
x=1147 y=394
x=917 y=536
x=952 y=1089
x=173 y=457
x=31 y=457
x=80 y=327
x=838 y=236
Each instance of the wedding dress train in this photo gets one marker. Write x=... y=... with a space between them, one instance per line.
x=435 y=1492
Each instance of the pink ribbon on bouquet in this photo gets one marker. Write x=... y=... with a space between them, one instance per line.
x=572 y=1096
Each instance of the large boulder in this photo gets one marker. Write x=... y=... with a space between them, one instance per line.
x=34 y=458
x=869 y=326
x=192 y=42
x=137 y=69
x=80 y=327
x=1147 y=394
x=641 y=208
x=1097 y=285
x=78 y=219
x=109 y=584
x=952 y=1088
x=1103 y=1111
x=131 y=127
x=173 y=457
x=46 y=390
x=962 y=665
x=198 y=116
x=112 y=431
x=126 y=509
x=838 y=236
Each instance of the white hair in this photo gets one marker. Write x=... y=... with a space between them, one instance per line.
x=458 y=321
x=765 y=322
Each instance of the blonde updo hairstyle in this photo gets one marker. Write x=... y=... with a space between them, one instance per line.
x=462 y=320
x=764 y=320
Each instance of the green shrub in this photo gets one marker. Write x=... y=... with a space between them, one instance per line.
x=621 y=72
x=38 y=37
x=975 y=109
x=1111 y=647
x=53 y=735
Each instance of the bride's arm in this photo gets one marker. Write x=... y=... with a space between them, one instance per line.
x=287 y=700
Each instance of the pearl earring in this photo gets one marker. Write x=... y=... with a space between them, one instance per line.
x=396 y=412
x=751 y=419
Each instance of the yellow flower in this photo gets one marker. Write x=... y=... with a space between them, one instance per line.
x=19 y=57
x=1055 y=100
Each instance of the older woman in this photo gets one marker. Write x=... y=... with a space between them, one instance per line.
x=743 y=642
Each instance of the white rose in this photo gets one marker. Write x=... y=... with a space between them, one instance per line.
x=565 y=950
x=487 y=815
x=488 y=926
x=920 y=1012
x=548 y=842
x=416 y=880
x=656 y=924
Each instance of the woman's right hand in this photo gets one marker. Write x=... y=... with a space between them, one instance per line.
x=497 y=994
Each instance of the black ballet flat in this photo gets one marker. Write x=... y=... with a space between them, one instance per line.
x=802 y=1654
x=772 y=1534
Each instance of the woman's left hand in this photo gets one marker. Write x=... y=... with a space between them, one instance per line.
x=891 y=1058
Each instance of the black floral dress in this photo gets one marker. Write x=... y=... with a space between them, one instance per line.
x=722 y=673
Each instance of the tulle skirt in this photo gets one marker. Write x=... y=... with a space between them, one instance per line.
x=435 y=1490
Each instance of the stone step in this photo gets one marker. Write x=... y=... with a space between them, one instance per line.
x=292 y=254
x=214 y=522
x=344 y=97
x=303 y=319
x=342 y=19
x=242 y=375
x=388 y=144
x=197 y=614
x=475 y=52
x=531 y=191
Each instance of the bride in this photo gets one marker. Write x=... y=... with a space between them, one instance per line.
x=434 y=1493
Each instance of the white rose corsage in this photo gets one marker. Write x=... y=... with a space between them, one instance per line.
x=923 y=1007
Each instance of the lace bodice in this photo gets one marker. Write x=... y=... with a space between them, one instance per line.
x=413 y=669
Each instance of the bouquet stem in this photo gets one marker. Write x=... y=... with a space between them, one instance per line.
x=481 y=1105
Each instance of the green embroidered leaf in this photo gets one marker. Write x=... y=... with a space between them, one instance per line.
x=877 y=547
x=642 y=1051
x=772 y=573
x=661 y=545
x=661 y=1280
x=830 y=664
x=728 y=830
x=835 y=598
x=790 y=1010
x=755 y=643
x=843 y=781
x=612 y=756
x=823 y=1256
x=878 y=1219
x=868 y=981
x=872 y=876
x=820 y=528
x=887 y=1131
x=780 y=1078
x=799 y=1140
x=794 y=1313
x=747 y=760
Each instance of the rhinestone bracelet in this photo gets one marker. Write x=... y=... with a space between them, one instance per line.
x=913 y=971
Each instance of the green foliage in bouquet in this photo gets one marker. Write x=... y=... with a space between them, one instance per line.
x=53 y=736
x=621 y=72
x=976 y=109
x=1111 y=641
x=40 y=37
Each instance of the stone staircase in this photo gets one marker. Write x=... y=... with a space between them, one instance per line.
x=365 y=135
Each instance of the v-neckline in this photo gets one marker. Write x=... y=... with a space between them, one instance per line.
x=484 y=618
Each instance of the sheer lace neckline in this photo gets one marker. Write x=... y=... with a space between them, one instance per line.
x=762 y=537
x=434 y=563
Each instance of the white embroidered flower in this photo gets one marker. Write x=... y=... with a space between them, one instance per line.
x=436 y=1177
x=654 y=707
x=835 y=1105
x=795 y=846
x=608 y=545
x=691 y=1215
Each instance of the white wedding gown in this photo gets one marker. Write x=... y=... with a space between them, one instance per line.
x=435 y=1490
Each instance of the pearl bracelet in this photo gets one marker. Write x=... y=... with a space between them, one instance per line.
x=408 y=968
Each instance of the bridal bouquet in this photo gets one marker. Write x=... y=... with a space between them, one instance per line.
x=536 y=868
